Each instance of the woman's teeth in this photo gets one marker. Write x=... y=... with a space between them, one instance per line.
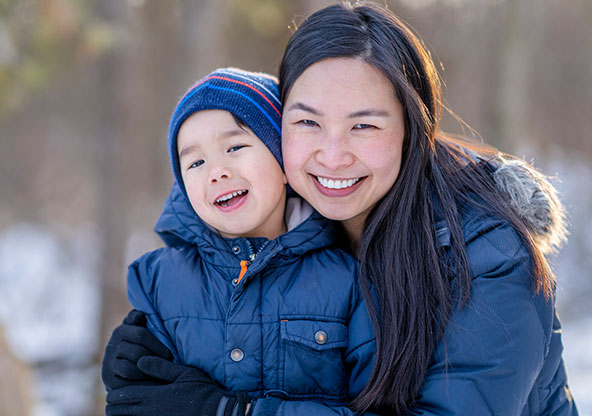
x=337 y=183
x=230 y=195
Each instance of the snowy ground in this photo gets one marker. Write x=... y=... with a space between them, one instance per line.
x=577 y=339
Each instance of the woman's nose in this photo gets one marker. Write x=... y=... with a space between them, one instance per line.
x=334 y=153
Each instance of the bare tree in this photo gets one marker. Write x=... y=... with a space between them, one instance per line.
x=15 y=383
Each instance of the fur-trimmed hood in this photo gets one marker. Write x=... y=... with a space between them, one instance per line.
x=535 y=201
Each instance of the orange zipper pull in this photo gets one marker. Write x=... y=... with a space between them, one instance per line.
x=244 y=264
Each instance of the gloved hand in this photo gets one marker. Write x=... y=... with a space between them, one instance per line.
x=184 y=391
x=130 y=341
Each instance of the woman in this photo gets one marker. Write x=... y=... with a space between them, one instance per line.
x=453 y=270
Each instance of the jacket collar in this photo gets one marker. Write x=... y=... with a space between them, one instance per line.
x=179 y=225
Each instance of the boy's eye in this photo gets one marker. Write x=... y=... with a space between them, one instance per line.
x=236 y=147
x=197 y=164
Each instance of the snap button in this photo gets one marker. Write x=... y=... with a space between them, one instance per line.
x=237 y=355
x=320 y=337
x=236 y=249
x=235 y=281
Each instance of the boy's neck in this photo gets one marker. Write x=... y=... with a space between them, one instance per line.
x=273 y=226
x=270 y=232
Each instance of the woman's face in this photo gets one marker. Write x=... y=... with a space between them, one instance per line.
x=342 y=138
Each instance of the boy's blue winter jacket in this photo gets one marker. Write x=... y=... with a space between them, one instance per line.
x=294 y=326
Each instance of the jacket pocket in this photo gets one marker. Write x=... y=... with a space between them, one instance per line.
x=311 y=358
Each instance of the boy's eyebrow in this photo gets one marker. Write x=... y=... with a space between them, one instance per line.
x=187 y=149
x=224 y=136
x=231 y=133
x=304 y=107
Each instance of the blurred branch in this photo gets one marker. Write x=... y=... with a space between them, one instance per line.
x=47 y=40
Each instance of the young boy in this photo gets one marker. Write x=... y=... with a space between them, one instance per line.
x=248 y=288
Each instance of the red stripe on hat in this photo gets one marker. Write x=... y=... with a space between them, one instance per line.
x=241 y=83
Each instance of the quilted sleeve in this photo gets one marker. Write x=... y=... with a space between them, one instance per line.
x=493 y=347
x=141 y=288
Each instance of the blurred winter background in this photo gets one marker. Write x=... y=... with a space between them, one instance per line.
x=86 y=91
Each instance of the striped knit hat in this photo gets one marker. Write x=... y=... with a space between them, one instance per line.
x=252 y=97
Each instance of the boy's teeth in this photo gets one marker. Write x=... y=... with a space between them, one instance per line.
x=336 y=183
x=229 y=195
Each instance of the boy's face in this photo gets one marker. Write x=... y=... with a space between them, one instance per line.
x=233 y=181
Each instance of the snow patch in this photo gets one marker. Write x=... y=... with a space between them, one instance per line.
x=49 y=310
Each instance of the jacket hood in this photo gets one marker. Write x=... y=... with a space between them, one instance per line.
x=535 y=200
x=179 y=225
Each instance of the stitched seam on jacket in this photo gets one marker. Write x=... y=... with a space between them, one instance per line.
x=360 y=346
x=322 y=229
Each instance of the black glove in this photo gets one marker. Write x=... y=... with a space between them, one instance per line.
x=185 y=391
x=130 y=341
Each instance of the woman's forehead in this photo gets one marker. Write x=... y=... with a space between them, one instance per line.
x=344 y=85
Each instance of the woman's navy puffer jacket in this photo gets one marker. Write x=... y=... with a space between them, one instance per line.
x=501 y=353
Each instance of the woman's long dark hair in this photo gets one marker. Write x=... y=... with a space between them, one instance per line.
x=400 y=260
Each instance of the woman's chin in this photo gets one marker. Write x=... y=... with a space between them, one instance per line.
x=335 y=215
x=348 y=218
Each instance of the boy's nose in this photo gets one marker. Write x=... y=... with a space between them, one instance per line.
x=220 y=173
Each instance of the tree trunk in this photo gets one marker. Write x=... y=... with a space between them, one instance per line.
x=109 y=149
x=15 y=383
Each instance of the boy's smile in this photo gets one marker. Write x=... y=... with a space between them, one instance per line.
x=233 y=181
x=232 y=200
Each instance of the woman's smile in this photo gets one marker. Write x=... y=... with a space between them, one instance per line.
x=336 y=187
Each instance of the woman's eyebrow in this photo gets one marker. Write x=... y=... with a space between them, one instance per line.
x=369 y=112
x=304 y=107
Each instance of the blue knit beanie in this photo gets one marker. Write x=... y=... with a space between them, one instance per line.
x=252 y=97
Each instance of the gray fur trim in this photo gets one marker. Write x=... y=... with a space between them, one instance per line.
x=535 y=200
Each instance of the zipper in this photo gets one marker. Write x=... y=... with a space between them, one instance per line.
x=246 y=263
x=243 y=264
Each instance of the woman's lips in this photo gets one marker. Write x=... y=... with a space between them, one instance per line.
x=337 y=187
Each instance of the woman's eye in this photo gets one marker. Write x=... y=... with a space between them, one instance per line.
x=361 y=126
x=236 y=147
x=310 y=123
x=197 y=164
